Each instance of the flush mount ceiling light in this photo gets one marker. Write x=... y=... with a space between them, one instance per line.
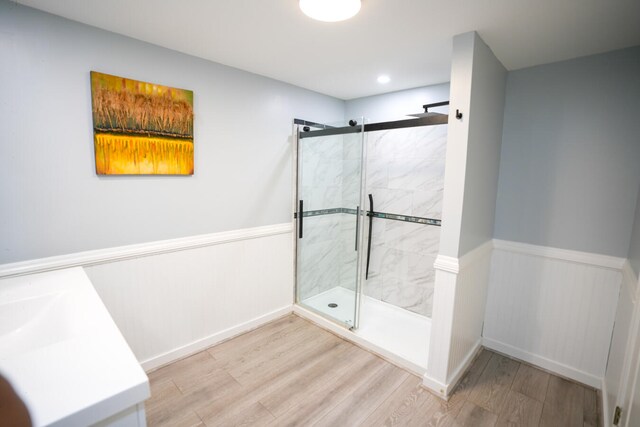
x=330 y=10
x=383 y=79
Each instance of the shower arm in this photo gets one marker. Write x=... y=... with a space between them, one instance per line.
x=435 y=104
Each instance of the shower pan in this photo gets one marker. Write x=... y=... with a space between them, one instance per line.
x=368 y=213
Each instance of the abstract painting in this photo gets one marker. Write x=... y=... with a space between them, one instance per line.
x=141 y=128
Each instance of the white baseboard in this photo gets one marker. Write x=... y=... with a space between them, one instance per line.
x=444 y=390
x=550 y=365
x=464 y=366
x=199 y=345
x=436 y=387
x=120 y=253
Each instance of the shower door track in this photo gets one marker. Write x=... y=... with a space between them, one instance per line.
x=435 y=119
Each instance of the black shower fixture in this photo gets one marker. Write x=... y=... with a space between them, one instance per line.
x=352 y=122
x=435 y=104
x=427 y=113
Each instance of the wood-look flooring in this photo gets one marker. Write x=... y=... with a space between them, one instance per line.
x=293 y=373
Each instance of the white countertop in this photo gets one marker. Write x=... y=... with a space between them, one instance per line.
x=62 y=351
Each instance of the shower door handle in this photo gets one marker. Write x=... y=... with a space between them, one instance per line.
x=300 y=216
x=366 y=275
x=357 y=225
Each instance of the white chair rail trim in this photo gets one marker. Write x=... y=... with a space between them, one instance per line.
x=454 y=265
x=598 y=260
x=102 y=256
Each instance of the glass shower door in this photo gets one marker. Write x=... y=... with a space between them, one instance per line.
x=329 y=221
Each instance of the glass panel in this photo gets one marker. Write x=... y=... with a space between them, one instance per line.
x=329 y=186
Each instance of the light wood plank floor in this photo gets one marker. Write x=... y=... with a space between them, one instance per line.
x=293 y=373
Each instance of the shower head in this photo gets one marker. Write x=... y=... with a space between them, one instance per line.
x=421 y=115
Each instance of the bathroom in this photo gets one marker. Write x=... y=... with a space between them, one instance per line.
x=505 y=221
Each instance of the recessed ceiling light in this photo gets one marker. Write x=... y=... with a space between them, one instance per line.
x=383 y=79
x=330 y=10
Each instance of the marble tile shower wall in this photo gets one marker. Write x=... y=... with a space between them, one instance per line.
x=405 y=174
x=321 y=172
x=318 y=256
x=329 y=176
x=351 y=169
x=347 y=251
x=405 y=170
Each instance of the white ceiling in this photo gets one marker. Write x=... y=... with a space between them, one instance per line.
x=410 y=40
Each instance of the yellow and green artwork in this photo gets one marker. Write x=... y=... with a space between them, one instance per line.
x=141 y=128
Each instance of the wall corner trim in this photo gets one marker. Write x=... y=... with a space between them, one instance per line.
x=120 y=253
x=604 y=261
x=630 y=281
x=447 y=263
x=455 y=265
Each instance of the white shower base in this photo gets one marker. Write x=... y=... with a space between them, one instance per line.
x=391 y=331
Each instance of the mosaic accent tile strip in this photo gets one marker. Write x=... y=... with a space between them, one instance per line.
x=408 y=218
x=321 y=212
x=382 y=215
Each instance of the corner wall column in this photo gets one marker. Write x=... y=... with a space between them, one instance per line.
x=478 y=83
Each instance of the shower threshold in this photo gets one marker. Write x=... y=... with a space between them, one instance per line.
x=398 y=335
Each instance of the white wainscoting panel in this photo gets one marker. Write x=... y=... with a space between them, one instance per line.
x=470 y=302
x=120 y=253
x=459 y=306
x=172 y=298
x=435 y=378
x=169 y=304
x=554 y=309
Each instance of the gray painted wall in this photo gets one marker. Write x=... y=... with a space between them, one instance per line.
x=634 y=246
x=483 y=148
x=473 y=146
x=52 y=202
x=570 y=166
x=396 y=105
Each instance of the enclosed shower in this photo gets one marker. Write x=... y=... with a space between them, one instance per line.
x=368 y=215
